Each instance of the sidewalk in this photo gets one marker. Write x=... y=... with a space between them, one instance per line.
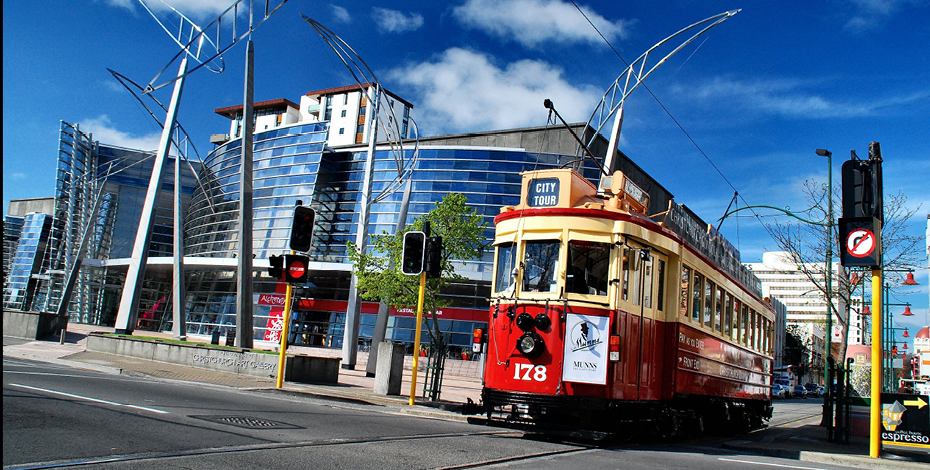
x=804 y=440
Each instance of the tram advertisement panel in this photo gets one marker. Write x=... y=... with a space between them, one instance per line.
x=906 y=419
x=585 y=354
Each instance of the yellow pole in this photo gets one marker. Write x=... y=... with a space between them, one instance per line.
x=875 y=411
x=416 y=341
x=284 y=330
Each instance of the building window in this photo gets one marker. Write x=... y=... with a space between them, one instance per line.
x=342 y=130
x=343 y=113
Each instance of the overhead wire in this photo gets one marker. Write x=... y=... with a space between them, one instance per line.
x=680 y=127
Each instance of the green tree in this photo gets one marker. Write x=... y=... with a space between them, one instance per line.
x=379 y=276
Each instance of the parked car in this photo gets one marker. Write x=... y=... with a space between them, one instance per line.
x=799 y=391
x=813 y=389
x=779 y=391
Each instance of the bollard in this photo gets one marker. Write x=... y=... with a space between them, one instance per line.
x=64 y=332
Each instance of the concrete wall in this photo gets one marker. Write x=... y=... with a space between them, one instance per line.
x=303 y=369
x=21 y=207
x=32 y=325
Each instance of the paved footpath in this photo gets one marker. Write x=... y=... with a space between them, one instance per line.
x=803 y=440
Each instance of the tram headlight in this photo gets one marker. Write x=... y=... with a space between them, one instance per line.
x=531 y=345
x=525 y=321
x=543 y=322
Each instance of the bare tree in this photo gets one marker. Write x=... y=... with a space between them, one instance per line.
x=806 y=245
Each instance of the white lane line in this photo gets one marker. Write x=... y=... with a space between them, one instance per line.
x=81 y=397
x=770 y=464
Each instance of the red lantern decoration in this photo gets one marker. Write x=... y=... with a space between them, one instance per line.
x=907 y=311
x=909 y=280
x=905 y=335
x=865 y=311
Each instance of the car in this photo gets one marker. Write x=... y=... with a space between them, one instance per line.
x=799 y=391
x=779 y=391
x=813 y=389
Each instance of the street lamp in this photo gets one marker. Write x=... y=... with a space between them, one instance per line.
x=828 y=336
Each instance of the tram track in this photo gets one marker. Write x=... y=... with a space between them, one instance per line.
x=155 y=456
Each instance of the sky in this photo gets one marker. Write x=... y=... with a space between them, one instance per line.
x=741 y=109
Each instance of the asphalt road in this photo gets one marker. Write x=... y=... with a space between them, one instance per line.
x=54 y=416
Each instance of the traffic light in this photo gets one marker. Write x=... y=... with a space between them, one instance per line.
x=433 y=266
x=296 y=272
x=413 y=254
x=862 y=185
x=302 y=228
x=276 y=268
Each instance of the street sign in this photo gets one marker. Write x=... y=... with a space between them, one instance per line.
x=296 y=268
x=906 y=420
x=861 y=242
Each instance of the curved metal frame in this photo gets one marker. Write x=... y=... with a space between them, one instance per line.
x=634 y=74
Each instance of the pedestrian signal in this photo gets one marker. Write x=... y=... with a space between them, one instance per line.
x=276 y=268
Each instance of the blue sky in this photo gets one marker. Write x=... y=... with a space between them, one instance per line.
x=758 y=94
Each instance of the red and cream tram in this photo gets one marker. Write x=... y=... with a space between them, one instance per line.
x=606 y=321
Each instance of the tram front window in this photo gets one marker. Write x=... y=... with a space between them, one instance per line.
x=540 y=263
x=588 y=267
x=506 y=259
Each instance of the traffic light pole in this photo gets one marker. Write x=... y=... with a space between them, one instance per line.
x=284 y=329
x=875 y=394
x=416 y=340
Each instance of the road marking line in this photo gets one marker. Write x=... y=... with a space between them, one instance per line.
x=81 y=397
x=770 y=464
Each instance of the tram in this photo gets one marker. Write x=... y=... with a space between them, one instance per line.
x=606 y=321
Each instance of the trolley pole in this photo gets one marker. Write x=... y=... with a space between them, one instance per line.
x=416 y=341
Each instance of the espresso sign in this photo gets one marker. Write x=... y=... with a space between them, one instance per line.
x=543 y=192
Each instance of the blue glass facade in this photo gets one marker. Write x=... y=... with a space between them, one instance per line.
x=31 y=249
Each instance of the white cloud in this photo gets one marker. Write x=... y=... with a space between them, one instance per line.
x=464 y=91
x=871 y=13
x=205 y=9
x=393 y=21
x=790 y=98
x=341 y=14
x=18 y=176
x=103 y=131
x=533 y=22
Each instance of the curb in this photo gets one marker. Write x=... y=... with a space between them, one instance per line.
x=853 y=461
x=65 y=362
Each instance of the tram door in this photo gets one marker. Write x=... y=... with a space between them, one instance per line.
x=640 y=299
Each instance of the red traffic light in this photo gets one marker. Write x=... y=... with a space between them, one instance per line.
x=302 y=228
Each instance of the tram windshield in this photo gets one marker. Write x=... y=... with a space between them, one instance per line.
x=506 y=261
x=588 y=263
x=540 y=263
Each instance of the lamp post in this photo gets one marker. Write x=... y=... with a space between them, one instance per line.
x=828 y=334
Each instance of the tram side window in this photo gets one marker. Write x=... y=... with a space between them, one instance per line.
x=743 y=324
x=685 y=288
x=728 y=315
x=541 y=263
x=696 y=298
x=770 y=337
x=734 y=333
x=709 y=304
x=757 y=330
x=718 y=313
x=506 y=260
x=647 y=283
x=588 y=263
x=660 y=302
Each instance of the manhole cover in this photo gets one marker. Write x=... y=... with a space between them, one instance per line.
x=247 y=422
